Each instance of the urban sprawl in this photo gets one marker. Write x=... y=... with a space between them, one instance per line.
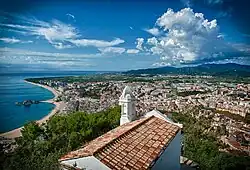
x=227 y=104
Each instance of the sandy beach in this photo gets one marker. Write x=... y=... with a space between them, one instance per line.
x=58 y=106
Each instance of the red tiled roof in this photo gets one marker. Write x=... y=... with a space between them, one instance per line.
x=90 y=148
x=235 y=144
x=135 y=145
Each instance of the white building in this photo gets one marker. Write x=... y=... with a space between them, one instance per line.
x=149 y=142
x=127 y=101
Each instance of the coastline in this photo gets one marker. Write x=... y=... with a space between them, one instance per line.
x=58 y=106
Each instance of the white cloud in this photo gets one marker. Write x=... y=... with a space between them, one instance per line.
x=153 y=31
x=212 y=2
x=13 y=40
x=157 y=51
x=97 y=43
x=57 y=33
x=16 y=52
x=132 y=51
x=152 y=41
x=186 y=37
x=60 y=45
x=161 y=64
x=70 y=15
x=172 y=20
x=190 y=3
x=242 y=47
x=19 y=56
x=117 y=50
x=10 y=40
x=221 y=36
x=139 y=43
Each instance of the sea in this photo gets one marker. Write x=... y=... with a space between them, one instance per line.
x=13 y=89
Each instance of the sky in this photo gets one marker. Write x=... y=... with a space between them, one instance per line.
x=121 y=35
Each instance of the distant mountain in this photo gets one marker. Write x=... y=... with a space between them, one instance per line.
x=229 y=69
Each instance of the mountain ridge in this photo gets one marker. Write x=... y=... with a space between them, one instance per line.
x=228 y=69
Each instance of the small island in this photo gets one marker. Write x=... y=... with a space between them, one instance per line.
x=27 y=103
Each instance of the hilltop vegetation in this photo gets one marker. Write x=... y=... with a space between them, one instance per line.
x=40 y=147
x=202 y=145
x=227 y=70
x=93 y=78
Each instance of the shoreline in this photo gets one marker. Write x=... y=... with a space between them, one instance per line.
x=58 y=106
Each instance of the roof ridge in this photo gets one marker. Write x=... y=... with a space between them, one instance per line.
x=135 y=145
x=123 y=134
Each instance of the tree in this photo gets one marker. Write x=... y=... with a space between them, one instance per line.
x=202 y=146
x=31 y=131
x=40 y=147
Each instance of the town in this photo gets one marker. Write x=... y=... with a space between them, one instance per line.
x=226 y=104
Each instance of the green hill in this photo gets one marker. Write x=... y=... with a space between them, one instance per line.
x=230 y=69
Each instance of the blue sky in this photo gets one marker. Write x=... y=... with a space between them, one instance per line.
x=121 y=35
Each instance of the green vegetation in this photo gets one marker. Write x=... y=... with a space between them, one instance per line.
x=40 y=147
x=151 y=78
x=188 y=93
x=234 y=116
x=202 y=145
x=225 y=70
x=95 y=78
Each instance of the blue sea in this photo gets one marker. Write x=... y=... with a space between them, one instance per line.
x=14 y=89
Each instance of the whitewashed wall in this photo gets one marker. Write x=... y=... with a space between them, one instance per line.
x=170 y=158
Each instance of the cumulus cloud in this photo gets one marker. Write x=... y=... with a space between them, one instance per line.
x=117 y=50
x=13 y=40
x=153 y=31
x=139 y=43
x=132 y=51
x=186 y=37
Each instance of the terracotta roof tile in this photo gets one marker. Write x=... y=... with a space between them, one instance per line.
x=98 y=143
x=135 y=145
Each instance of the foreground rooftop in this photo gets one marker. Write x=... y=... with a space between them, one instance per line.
x=134 y=145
